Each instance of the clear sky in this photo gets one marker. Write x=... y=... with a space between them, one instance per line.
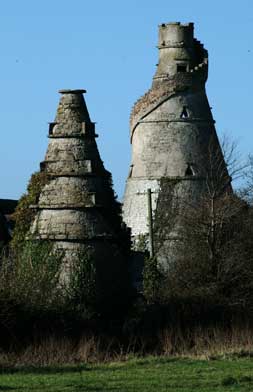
x=108 y=47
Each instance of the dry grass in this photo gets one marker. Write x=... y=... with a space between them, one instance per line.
x=207 y=342
x=198 y=343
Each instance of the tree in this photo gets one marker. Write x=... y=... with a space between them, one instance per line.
x=215 y=262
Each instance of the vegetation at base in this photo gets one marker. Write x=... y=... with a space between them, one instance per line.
x=150 y=374
x=33 y=275
x=81 y=293
x=29 y=289
x=153 y=279
x=111 y=212
x=212 y=261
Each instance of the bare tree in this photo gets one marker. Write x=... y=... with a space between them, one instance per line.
x=217 y=247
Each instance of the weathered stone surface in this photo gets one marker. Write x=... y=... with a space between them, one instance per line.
x=171 y=131
x=71 y=224
x=108 y=261
x=72 y=149
x=135 y=203
x=66 y=192
x=77 y=208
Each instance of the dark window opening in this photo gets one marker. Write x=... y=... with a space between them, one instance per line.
x=184 y=113
x=42 y=166
x=189 y=171
x=51 y=127
x=130 y=171
x=181 y=68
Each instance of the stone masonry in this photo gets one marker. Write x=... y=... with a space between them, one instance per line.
x=171 y=130
x=77 y=209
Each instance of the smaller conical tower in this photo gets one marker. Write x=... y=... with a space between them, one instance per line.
x=77 y=209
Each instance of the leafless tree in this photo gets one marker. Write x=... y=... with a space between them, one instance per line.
x=217 y=242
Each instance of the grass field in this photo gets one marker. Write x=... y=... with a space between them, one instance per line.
x=147 y=375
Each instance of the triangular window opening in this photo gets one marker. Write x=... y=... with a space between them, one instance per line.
x=184 y=113
x=189 y=171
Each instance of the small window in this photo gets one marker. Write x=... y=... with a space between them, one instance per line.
x=189 y=171
x=181 y=68
x=130 y=171
x=184 y=113
x=42 y=166
x=51 y=127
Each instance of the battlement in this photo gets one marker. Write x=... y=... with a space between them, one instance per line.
x=176 y=34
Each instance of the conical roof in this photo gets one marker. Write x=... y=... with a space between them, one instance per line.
x=77 y=210
x=77 y=203
x=71 y=113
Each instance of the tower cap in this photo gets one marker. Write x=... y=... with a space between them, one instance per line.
x=69 y=91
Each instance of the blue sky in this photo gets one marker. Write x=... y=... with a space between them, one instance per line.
x=109 y=48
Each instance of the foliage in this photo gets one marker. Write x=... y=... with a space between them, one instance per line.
x=31 y=277
x=82 y=286
x=29 y=283
x=216 y=264
x=24 y=214
x=152 y=280
x=111 y=211
x=141 y=243
x=214 y=260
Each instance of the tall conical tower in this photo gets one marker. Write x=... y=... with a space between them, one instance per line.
x=171 y=130
x=77 y=209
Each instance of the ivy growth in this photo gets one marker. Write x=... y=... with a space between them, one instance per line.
x=82 y=287
x=152 y=280
x=24 y=215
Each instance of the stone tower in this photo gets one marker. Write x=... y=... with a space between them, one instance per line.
x=171 y=130
x=77 y=209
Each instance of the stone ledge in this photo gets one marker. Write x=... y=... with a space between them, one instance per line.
x=62 y=237
x=186 y=120
x=169 y=178
x=64 y=206
x=72 y=136
x=68 y=174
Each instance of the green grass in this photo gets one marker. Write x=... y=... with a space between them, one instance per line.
x=147 y=375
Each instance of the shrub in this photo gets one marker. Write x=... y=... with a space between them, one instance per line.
x=29 y=285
